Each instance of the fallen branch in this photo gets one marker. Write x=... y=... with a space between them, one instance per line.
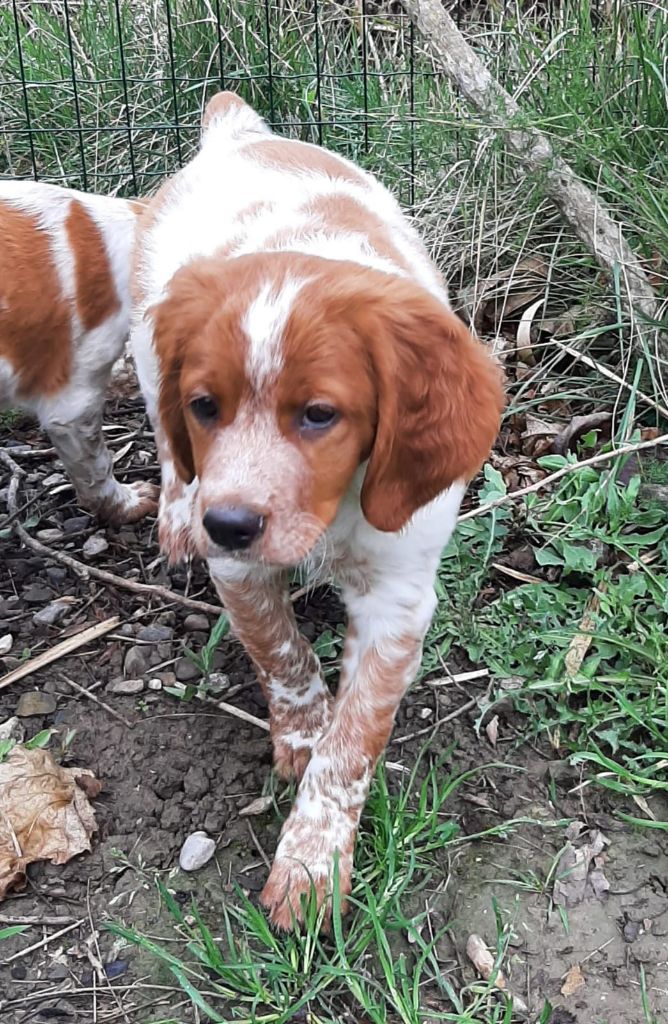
x=87 y=572
x=626 y=449
x=577 y=203
x=65 y=647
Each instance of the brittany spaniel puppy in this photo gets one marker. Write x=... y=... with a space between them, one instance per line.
x=65 y=261
x=317 y=403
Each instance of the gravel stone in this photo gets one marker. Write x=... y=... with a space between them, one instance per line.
x=197 y=851
x=125 y=687
x=135 y=663
x=196 y=623
x=155 y=634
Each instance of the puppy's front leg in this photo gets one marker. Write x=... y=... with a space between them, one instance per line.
x=261 y=615
x=381 y=656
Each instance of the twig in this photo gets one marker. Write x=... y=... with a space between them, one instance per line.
x=96 y=700
x=258 y=846
x=460 y=677
x=86 y=572
x=578 y=204
x=44 y=942
x=72 y=643
x=626 y=449
x=436 y=725
x=245 y=716
x=605 y=371
x=36 y=922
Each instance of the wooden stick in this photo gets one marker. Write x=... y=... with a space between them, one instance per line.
x=96 y=700
x=577 y=203
x=626 y=449
x=65 y=647
x=44 y=942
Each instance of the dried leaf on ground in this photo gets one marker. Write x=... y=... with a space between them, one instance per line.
x=524 y=349
x=492 y=730
x=574 y=879
x=258 y=806
x=573 y=981
x=579 y=645
x=44 y=814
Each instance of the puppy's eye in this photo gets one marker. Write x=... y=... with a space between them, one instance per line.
x=318 y=416
x=204 y=408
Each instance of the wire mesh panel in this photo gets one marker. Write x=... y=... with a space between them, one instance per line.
x=108 y=94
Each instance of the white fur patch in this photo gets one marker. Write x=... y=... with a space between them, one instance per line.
x=264 y=324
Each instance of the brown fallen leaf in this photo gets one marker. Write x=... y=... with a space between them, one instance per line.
x=573 y=981
x=492 y=730
x=581 y=642
x=44 y=814
x=575 y=877
x=258 y=806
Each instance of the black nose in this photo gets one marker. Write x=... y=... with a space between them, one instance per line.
x=233 y=528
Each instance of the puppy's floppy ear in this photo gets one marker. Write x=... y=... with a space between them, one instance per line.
x=439 y=404
x=182 y=314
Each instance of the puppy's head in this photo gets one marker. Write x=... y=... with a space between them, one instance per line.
x=282 y=374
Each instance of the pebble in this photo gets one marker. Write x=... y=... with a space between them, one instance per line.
x=115 y=969
x=125 y=687
x=95 y=545
x=54 y=480
x=197 y=851
x=135 y=663
x=196 y=623
x=155 y=634
x=186 y=670
x=76 y=524
x=12 y=729
x=36 y=594
x=53 y=612
x=56 y=575
x=6 y=644
x=155 y=684
x=218 y=681
x=195 y=782
x=34 y=702
x=50 y=536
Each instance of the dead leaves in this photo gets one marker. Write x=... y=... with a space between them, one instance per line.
x=573 y=981
x=580 y=869
x=45 y=813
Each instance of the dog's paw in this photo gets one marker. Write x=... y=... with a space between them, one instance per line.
x=130 y=503
x=304 y=867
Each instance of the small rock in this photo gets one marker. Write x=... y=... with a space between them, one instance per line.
x=197 y=851
x=36 y=594
x=56 y=575
x=76 y=524
x=219 y=681
x=155 y=684
x=49 y=536
x=115 y=969
x=12 y=730
x=195 y=782
x=34 y=702
x=18 y=972
x=426 y=712
x=54 y=480
x=136 y=662
x=196 y=623
x=155 y=634
x=57 y=973
x=186 y=670
x=631 y=931
x=6 y=644
x=54 y=611
x=168 y=678
x=125 y=687
x=95 y=545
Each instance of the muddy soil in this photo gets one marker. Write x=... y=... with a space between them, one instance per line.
x=173 y=767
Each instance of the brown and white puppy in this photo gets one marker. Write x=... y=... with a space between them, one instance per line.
x=315 y=401
x=65 y=260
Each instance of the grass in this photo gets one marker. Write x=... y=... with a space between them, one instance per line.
x=584 y=642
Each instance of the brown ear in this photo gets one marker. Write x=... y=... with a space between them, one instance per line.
x=182 y=314
x=440 y=400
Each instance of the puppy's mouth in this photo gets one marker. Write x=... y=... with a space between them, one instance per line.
x=276 y=547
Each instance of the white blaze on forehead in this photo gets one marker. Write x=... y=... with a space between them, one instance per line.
x=263 y=325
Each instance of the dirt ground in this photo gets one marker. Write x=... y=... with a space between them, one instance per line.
x=177 y=767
